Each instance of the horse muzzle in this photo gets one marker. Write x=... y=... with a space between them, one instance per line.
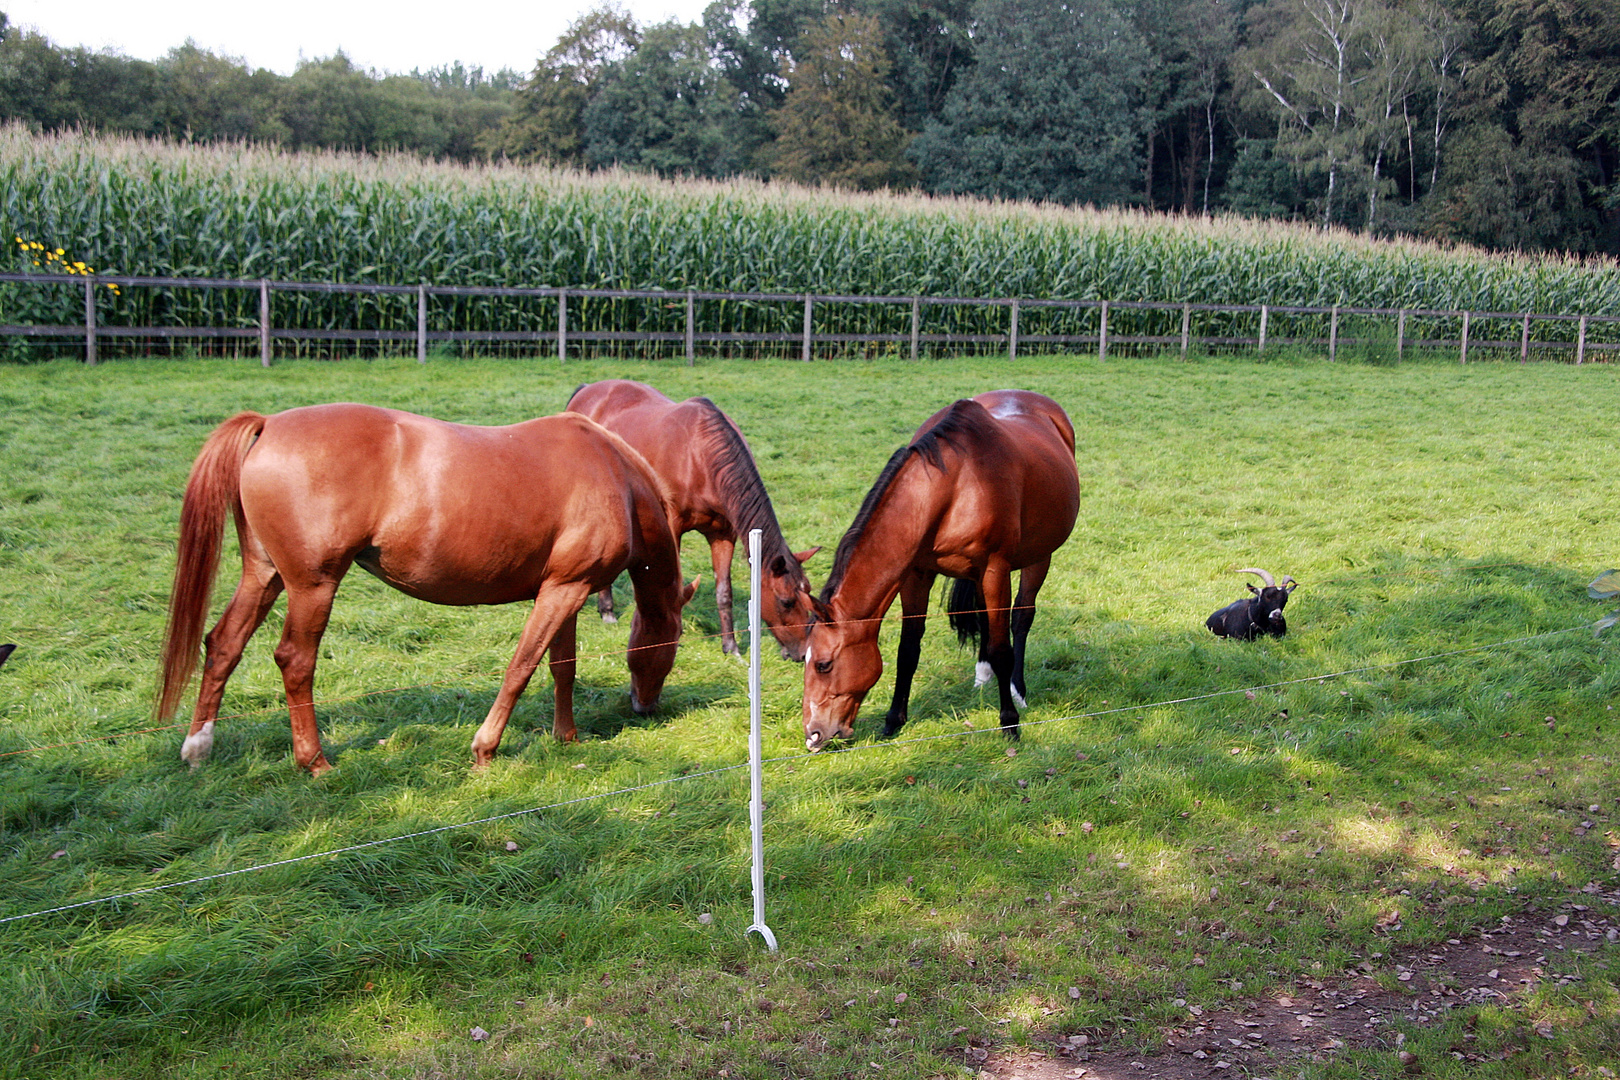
x=642 y=710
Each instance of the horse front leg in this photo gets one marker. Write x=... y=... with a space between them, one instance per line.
x=555 y=605
x=257 y=591
x=914 y=589
x=996 y=588
x=721 y=550
x=1030 y=579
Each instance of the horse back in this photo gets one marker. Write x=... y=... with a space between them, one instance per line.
x=1014 y=491
x=673 y=437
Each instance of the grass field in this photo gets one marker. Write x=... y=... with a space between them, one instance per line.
x=1434 y=739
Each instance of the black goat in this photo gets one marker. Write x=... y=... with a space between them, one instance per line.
x=1259 y=614
x=5 y=651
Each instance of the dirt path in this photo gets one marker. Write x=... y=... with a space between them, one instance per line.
x=1322 y=1017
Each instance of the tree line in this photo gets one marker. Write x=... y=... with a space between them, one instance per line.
x=1495 y=122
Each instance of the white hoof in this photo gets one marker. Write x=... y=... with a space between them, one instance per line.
x=197 y=747
x=982 y=673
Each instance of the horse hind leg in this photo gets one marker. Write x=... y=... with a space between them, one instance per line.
x=604 y=605
x=222 y=649
x=996 y=589
x=309 y=608
x=1030 y=580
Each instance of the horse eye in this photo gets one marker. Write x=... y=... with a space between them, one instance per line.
x=823 y=666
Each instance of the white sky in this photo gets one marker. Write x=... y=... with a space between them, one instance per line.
x=393 y=36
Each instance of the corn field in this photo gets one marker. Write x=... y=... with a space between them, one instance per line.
x=139 y=208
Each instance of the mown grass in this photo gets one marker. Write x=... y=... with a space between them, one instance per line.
x=1428 y=739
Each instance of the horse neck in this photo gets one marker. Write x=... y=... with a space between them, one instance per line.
x=891 y=541
x=742 y=495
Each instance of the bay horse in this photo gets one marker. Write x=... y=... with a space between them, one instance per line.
x=713 y=488
x=547 y=510
x=988 y=485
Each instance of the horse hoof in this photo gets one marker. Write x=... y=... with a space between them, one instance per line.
x=608 y=616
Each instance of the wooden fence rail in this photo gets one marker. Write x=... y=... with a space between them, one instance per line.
x=1262 y=316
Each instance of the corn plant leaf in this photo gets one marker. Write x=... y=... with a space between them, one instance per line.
x=1607 y=585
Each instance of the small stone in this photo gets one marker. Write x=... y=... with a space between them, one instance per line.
x=479 y=1034
x=705 y=918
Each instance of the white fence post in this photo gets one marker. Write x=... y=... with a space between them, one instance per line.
x=1265 y=312
x=1524 y=340
x=1102 y=334
x=1012 y=334
x=1186 y=326
x=1400 y=335
x=916 y=324
x=756 y=786
x=1580 y=343
x=1465 y=316
x=1333 y=334
x=805 y=352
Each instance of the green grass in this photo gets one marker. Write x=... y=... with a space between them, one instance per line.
x=1429 y=510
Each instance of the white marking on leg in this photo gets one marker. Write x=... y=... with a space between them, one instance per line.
x=197 y=747
x=1018 y=698
x=982 y=673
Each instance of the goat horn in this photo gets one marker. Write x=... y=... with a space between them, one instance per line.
x=1287 y=581
x=1271 y=582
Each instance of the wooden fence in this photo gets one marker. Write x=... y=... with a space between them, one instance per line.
x=1110 y=322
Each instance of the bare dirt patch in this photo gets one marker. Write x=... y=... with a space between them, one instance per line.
x=1389 y=993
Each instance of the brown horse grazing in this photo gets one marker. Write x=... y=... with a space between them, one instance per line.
x=548 y=510
x=711 y=487
x=987 y=486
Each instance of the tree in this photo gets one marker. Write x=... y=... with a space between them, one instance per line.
x=837 y=124
x=1052 y=109
x=547 y=122
x=666 y=108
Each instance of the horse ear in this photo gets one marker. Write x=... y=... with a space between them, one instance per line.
x=690 y=591
x=822 y=609
x=805 y=556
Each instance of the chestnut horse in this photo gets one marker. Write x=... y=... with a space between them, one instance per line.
x=713 y=488
x=987 y=486
x=548 y=510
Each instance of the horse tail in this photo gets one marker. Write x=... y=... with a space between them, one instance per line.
x=965 y=609
x=212 y=492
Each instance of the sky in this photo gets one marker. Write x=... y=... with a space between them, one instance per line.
x=393 y=36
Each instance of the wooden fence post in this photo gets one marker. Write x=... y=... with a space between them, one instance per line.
x=1186 y=325
x=916 y=324
x=1265 y=310
x=562 y=325
x=1524 y=339
x=89 y=322
x=1465 y=316
x=691 y=330
x=1580 y=342
x=1012 y=334
x=1102 y=334
x=421 y=323
x=1333 y=334
x=804 y=353
x=264 y=322
x=1400 y=335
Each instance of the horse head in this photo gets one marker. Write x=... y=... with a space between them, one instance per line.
x=655 y=632
x=842 y=663
x=785 y=605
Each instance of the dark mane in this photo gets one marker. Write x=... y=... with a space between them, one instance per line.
x=962 y=422
x=748 y=505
